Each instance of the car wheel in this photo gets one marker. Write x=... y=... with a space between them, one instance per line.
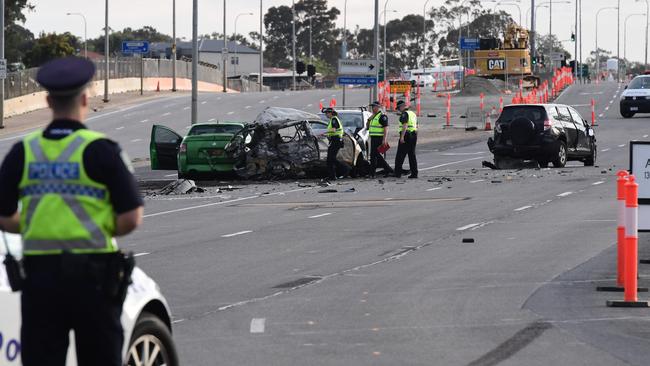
x=151 y=343
x=560 y=156
x=591 y=160
x=627 y=114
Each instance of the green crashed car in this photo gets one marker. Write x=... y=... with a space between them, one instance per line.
x=201 y=152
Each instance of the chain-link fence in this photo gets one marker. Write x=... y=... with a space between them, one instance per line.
x=24 y=82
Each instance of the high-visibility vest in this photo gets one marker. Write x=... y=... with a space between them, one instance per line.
x=412 y=123
x=62 y=208
x=336 y=133
x=376 y=129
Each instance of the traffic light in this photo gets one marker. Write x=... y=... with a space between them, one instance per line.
x=573 y=37
x=534 y=60
x=300 y=67
x=311 y=70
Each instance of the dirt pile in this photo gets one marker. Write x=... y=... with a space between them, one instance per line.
x=475 y=85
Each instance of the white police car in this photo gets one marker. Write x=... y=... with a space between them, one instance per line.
x=636 y=97
x=146 y=320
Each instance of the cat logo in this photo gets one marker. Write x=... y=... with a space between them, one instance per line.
x=496 y=64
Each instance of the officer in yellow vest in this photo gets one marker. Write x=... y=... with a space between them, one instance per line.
x=335 y=137
x=76 y=193
x=378 y=131
x=408 y=139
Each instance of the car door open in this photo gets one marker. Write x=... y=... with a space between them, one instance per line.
x=163 y=148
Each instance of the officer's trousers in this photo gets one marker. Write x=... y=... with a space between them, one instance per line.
x=336 y=143
x=407 y=148
x=376 y=159
x=56 y=300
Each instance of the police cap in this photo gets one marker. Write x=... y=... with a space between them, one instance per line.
x=65 y=76
x=375 y=104
x=329 y=110
x=401 y=103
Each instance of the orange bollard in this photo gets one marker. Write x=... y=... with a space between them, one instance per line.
x=631 y=248
x=593 y=112
x=482 y=105
x=622 y=176
x=320 y=106
x=500 y=105
x=448 y=110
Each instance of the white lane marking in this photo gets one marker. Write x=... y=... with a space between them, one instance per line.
x=452 y=163
x=598 y=183
x=644 y=136
x=186 y=108
x=258 y=325
x=580 y=105
x=166 y=114
x=119 y=128
x=611 y=101
x=231 y=113
x=141 y=254
x=433 y=189
x=211 y=119
x=236 y=234
x=333 y=95
x=248 y=107
x=321 y=215
x=462 y=154
x=621 y=145
x=605 y=150
x=262 y=101
x=178 y=321
x=15 y=137
x=136 y=140
x=144 y=121
x=565 y=194
x=523 y=208
x=171 y=175
x=601 y=115
x=309 y=105
x=218 y=98
x=607 y=108
x=463 y=228
x=203 y=102
x=275 y=97
x=478 y=180
x=322 y=100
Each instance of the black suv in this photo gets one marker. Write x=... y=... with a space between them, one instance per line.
x=547 y=133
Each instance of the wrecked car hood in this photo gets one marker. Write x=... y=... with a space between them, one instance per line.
x=278 y=117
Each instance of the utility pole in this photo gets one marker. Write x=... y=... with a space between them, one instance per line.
x=575 y=45
x=195 y=60
x=106 y=58
x=550 y=34
x=618 y=42
x=532 y=34
x=374 y=89
x=224 y=52
x=174 y=45
x=344 y=44
x=2 y=56
x=293 y=44
x=582 y=78
x=310 y=54
x=424 y=38
x=260 y=79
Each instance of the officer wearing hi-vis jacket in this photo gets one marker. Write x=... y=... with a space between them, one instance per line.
x=335 y=135
x=408 y=139
x=76 y=193
x=378 y=131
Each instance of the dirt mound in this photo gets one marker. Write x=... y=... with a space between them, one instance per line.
x=475 y=85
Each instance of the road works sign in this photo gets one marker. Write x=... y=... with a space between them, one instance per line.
x=640 y=168
x=400 y=86
x=135 y=46
x=357 y=67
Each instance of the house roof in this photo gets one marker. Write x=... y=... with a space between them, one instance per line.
x=216 y=45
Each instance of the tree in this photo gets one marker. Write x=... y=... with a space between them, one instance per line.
x=17 y=38
x=49 y=46
x=115 y=39
x=547 y=45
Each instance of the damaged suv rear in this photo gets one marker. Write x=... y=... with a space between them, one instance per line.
x=281 y=143
x=547 y=133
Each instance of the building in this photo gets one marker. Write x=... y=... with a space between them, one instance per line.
x=242 y=60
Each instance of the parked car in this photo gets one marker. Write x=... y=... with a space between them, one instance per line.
x=146 y=319
x=547 y=133
x=636 y=97
x=200 y=152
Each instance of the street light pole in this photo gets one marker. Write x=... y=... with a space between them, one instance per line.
x=106 y=56
x=618 y=42
x=195 y=60
x=224 y=52
x=344 y=44
x=625 y=37
x=424 y=38
x=374 y=89
x=385 y=49
x=293 y=43
x=310 y=58
x=597 y=51
x=173 y=45
x=85 y=32
x=2 y=56
x=647 y=21
x=260 y=79
x=582 y=78
x=234 y=36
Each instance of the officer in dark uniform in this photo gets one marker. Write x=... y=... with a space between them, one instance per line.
x=335 y=135
x=76 y=192
x=408 y=139
x=378 y=130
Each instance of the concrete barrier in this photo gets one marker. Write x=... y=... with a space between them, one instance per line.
x=35 y=101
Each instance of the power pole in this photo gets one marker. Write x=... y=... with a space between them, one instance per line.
x=174 y=45
x=618 y=42
x=225 y=51
x=2 y=56
x=533 y=50
x=261 y=78
x=195 y=60
x=575 y=44
x=293 y=44
x=106 y=58
x=374 y=88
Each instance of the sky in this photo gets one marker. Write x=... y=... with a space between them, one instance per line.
x=50 y=16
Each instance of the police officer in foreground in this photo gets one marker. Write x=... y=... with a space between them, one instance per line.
x=378 y=131
x=335 y=136
x=408 y=139
x=76 y=192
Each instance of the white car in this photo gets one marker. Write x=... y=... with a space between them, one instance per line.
x=146 y=320
x=636 y=97
x=354 y=120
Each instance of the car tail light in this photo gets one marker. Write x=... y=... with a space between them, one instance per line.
x=183 y=148
x=547 y=124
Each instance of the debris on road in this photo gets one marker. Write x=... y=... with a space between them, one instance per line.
x=180 y=186
x=350 y=190
x=468 y=240
x=328 y=191
x=439 y=180
x=487 y=164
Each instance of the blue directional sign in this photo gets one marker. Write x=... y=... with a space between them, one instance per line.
x=469 y=44
x=356 y=80
x=135 y=46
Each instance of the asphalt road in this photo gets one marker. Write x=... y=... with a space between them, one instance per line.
x=280 y=274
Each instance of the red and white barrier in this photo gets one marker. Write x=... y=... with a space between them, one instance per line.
x=593 y=112
x=448 y=110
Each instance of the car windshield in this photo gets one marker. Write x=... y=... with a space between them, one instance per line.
x=536 y=114
x=211 y=129
x=351 y=121
x=640 y=83
x=318 y=127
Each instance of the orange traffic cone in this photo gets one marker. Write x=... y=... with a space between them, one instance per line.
x=320 y=106
x=488 y=121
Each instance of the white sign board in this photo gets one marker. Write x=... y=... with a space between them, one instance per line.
x=3 y=68
x=357 y=67
x=557 y=56
x=640 y=168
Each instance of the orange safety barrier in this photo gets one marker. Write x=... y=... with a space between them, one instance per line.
x=417 y=102
x=320 y=106
x=482 y=105
x=593 y=112
x=630 y=249
x=448 y=109
x=500 y=105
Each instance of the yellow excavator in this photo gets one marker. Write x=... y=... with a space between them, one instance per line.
x=508 y=60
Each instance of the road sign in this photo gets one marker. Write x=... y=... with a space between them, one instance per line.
x=357 y=67
x=469 y=44
x=135 y=46
x=400 y=86
x=557 y=56
x=3 y=68
x=640 y=167
x=356 y=80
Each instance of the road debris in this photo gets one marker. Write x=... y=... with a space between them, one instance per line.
x=328 y=191
x=180 y=186
x=468 y=240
